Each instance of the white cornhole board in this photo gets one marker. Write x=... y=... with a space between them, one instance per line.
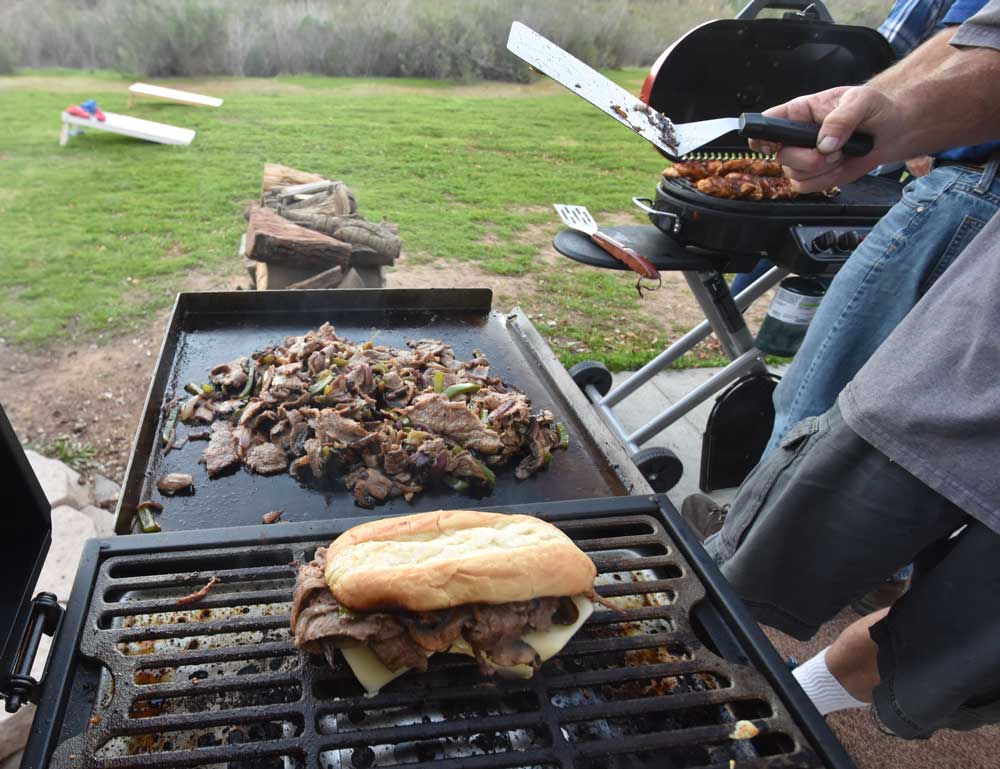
x=129 y=126
x=172 y=94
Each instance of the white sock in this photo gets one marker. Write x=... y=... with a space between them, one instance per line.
x=825 y=691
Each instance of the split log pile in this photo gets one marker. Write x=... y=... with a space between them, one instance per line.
x=306 y=232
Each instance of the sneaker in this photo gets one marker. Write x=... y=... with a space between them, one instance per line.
x=884 y=595
x=703 y=515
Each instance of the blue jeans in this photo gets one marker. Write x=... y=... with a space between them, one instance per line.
x=742 y=280
x=878 y=285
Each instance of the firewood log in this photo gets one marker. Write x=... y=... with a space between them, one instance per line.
x=277 y=175
x=275 y=240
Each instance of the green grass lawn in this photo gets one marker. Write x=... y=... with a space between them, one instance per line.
x=97 y=235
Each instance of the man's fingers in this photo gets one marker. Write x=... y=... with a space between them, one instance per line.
x=807 y=109
x=832 y=176
x=856 y=106
x=764 y=146
x=807 y=162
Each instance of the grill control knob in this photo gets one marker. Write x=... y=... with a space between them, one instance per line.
x=824 y=241
x=848 y=241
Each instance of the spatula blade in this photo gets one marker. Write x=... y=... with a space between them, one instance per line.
x=691 y=136
x=609 y=97
x=577 y=218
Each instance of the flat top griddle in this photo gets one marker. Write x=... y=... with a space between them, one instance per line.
x=212 y=328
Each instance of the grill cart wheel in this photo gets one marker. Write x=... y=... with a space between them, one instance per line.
x=591 y=372
x=660 y=466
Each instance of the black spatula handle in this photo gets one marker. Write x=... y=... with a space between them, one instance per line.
x=753 y=125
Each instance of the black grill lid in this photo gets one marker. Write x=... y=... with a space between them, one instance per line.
x=25 y=535
x=747 y=64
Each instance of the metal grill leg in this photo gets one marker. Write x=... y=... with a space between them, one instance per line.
x=726 y=322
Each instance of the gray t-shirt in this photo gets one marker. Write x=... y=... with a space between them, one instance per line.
x=929 y=398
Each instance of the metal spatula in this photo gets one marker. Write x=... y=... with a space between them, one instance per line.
x=580 y=219
x=674 y=139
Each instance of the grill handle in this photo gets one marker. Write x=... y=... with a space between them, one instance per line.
x=21 y=688
x=809 y=9
x=646 y=204
x=753 y=125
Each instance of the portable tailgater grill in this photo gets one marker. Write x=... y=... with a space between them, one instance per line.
x=720 y=69
x=134 y=680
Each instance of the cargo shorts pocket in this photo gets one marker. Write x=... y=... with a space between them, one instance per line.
x=764 y=481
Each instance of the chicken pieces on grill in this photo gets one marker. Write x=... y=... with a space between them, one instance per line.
x=747 y=187
x=703 y=169
x=737 y=179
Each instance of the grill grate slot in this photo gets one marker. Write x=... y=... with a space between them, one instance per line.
x=219 y=683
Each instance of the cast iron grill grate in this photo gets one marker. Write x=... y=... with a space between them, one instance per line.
x=219 y=683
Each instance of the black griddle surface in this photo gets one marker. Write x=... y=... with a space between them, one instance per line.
x=206 y=332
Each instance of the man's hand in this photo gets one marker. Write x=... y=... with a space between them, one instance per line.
x=841 y=112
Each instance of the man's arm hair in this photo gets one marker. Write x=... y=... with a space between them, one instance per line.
x=947 y=96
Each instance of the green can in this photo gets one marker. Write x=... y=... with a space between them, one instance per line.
x=791 y=311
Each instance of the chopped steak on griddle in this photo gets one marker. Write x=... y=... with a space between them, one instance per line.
x=390 y=422
x=220 y=453
x=453 y=420
x=403 y=639
x=267 y=459
x=232 y=374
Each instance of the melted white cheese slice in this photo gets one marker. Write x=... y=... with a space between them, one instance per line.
x=373 y=675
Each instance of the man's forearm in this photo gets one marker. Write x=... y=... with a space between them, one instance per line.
x=924 y=58
x=947 y=96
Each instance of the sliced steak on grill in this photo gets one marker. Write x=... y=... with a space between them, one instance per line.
x=220 y=453
x=267 y=459
x=454 y=420
x=232 y=375
x=405 y=639
x=331 y=427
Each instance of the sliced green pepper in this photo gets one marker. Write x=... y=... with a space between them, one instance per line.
x=320 y=386
x=491 y=478
x=378 y=368
x=248 y=387
x=341 y=362
x=268 y=359
x=464 y=388
x=170 y=428
x=147 y=524
x=458 y=484
x=438 y=381
x=563 y=435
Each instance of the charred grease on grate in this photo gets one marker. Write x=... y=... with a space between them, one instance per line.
x=219 y=683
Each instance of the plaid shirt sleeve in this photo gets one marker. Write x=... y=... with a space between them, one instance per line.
x=910 y=22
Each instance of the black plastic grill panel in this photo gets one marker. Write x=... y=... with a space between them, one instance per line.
x=220 y=684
